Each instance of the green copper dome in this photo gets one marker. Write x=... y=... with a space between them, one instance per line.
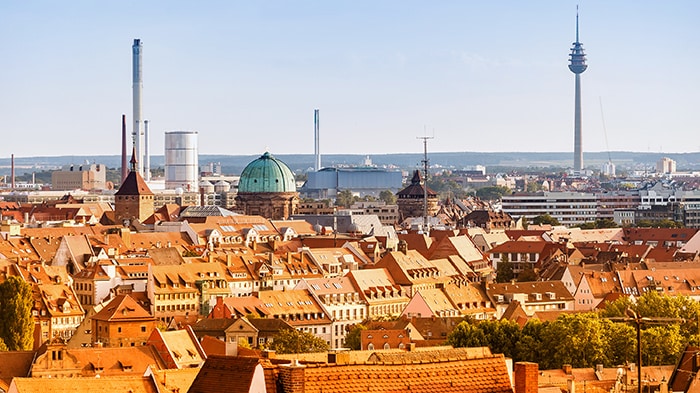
x=267 y=174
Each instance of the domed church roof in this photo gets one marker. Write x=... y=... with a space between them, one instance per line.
x=267 y=174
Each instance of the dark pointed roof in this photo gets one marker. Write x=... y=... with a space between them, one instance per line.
x=134 y=183
x=416 y=189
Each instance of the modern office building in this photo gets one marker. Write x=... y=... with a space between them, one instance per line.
x=569 y=208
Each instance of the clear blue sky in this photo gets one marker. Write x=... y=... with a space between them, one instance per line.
x=247 y=75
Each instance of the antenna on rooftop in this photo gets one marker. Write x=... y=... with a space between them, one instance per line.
x=425 y=162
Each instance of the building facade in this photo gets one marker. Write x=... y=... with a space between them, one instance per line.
x=267 y=188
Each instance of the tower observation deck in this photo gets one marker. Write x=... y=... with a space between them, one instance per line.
x=577 y=65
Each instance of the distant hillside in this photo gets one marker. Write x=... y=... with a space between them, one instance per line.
x=457 y=160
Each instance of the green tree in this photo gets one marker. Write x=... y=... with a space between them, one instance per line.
x=681 y=329
x=294 y=341
x=467 y=334
x=16 y=323
x=527 y=275
x=353 y=339
x=545 y=219
x=606 y=223
x=388 y=197
x=576 y=339
x=622 y=343
x=501 y=336
x=504 y=271
x=617 y=307
x=492 y=193
x=533 y=186
x=661 y=344
x=529 y=347
x=344 y=198
x=666 y=223
x=445 y=187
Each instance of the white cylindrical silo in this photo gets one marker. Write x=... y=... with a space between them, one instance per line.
x=222 y=186
x=181 y=160
x=207 y=187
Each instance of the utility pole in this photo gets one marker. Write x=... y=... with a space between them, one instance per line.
x=425 y=162
x=632 y=316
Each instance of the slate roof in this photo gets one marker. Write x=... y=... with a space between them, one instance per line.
x=415 y=189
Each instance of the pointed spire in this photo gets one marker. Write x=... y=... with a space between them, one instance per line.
x=577 y=23
x=133 y=162
x=416 y=177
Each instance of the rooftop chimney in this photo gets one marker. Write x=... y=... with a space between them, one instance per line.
x=526 y=377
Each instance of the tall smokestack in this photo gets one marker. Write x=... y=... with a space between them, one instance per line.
x=137 y=87
x=146 y=155
x=13 y=172
x=125 y=167
x=317 y=148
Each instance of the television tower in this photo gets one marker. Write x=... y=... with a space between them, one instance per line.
x=577 y=64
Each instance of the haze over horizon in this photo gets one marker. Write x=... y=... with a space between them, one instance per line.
x=478 y=76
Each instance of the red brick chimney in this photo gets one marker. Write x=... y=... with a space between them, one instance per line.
x=526 y=375
x=292 y=377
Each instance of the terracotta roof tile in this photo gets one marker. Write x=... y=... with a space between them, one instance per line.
x=123 y=308
x=85 y=385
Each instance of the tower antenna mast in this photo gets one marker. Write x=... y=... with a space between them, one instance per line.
x=425 y=163
x=577 y=65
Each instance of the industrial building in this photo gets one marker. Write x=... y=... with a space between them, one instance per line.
x=181 y=160
x=362 y=181
x=83 y=177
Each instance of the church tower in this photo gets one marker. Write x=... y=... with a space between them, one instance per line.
x=133 y=200
x=411 y=200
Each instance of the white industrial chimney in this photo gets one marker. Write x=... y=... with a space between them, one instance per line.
x=317 y=148
x=146 y=155
x=137 y=133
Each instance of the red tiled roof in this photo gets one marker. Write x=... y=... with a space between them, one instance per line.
x=445 y=371
x=134 y=185
x=218 y=369
x=123 y=308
